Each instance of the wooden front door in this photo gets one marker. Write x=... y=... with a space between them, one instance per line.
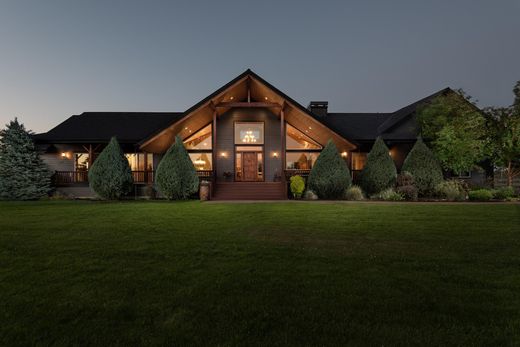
x=250 y=166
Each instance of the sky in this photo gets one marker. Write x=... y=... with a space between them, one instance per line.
x=64 y=57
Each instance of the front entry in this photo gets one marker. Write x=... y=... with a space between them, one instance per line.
x=249 y=166
x=250 y=161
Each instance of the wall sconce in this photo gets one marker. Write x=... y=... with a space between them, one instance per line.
x=344 y=154
x=65 y=155
x=275 y=154
x=223 y=154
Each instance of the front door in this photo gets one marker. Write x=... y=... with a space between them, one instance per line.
x=250 y=166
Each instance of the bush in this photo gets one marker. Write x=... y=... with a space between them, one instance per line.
x=409 y=192
x=452 y=190
x=481 y=195
x=424 y=167
x=110 y=175
x=405 y=179
x=504 y=193
x=176 y=177
x=297 y=186
x=379 y=172
x=330 y=177
x=310 y=195
x=389 y=194
x=354 y=193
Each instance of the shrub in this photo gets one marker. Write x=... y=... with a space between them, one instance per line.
x=480 y=195
x=409 y=192
x=23 y=174
x=110 y=175
x=424 y=167
x=297 y=186
x=176 y=176
x=379 y=172
x=310 y=195
x=451 y=190
x=504 y=193
x=405 y=179
x=330 y=177
x=389 y=194
x=354 y=193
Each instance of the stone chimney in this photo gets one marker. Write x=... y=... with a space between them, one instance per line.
x=319 y=108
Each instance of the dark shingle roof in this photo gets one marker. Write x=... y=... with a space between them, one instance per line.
x=356 y=126
x=128 y=127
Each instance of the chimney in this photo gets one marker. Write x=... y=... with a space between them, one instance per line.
x=319 y=108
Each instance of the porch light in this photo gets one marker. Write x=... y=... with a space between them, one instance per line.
x=65 y=155
x=344 y=154
x=230 y=98
x=223 y=154
x=275 y=154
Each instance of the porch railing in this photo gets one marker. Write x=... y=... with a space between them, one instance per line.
x=294 y=172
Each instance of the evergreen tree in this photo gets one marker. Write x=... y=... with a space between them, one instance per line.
x=330 y=177
x=176 y=177
x=379 y=172
x=424 y=167
x=23 y=174
x=110 y=176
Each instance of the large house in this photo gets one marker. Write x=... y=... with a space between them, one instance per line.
x=246 y=138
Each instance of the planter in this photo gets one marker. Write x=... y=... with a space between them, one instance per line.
x=204 y=191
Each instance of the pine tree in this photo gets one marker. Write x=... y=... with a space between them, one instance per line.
x=110 y=176
x=23 y=174
x=330 y=177
x=379 y=172
x=424 y=167
x=176 y=177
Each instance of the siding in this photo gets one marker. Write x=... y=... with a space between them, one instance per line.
x=57 y=163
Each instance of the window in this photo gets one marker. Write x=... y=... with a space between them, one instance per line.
x=80 y=161
x=138 y=162
x=201 y=140
x=201 y=161
x=295 y=139
x=250 y=133
x=301 y=160
x=358 y=160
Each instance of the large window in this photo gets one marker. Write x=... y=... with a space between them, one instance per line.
x=140 y=161
x=297 y=140
x=249 y=133
x=300 y=160
x=301 y=150
x=199 y=146
x=358 y=160
x=80 y=161
x=201 y=161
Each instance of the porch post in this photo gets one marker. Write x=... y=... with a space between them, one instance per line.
x=214 y=144
x=90 y=156
x=282 y=147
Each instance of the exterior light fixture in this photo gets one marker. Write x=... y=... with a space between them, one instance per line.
x=344 y=154
x=266 y=98
x=63 y=154
x=223 y=154
x=275 y=154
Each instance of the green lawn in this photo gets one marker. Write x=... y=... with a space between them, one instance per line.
x=158 y=273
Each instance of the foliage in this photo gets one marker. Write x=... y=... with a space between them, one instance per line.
x=379 y=172
x=504 y=193
x=405 y=178
x=480 y=195
x=23 y=174
x=389 y=194
x=329 y=177
x=503 y=129
x=354 y=193
x=452 y=190
x=176 y=176
x=310 y=195
x=297 y=186
x=456 y=128
x=424 y=167
x=409 y=192
x=110 y=176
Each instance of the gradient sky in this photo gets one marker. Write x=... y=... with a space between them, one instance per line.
x=59 y=58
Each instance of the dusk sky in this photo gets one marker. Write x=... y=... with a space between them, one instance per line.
x=59 y=58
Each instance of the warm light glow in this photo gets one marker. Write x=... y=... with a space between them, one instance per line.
x=266 y=98
x=199 y=162
x=275 y=154
x=223 y=154
x=231 y=98
x=390 y=153
x=63 y=155
x=249 y=137
x=344 y=154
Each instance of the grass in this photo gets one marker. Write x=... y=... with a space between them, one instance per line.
x=157 y=273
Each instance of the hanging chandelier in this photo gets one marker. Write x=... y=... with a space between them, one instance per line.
x=249 y=137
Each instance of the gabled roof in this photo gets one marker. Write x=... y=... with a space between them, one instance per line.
x=94 y=127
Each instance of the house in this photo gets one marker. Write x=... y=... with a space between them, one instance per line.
x=247 y=137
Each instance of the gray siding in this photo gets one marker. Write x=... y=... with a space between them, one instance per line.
x=225 y=140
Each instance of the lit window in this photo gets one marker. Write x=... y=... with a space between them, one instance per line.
x=295 y=139
x=201 y=140
x=358 y=160
x=201 y=161
x=301 y=160
x=80 y=161
x=138 y=162
x=250 y=133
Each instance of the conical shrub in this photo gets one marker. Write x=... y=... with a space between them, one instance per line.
x=379 y=172
x=330 y=177
x=110 y=176
x=425 y=168
x=176 y=177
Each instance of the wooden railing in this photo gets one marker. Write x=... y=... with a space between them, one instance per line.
x=294 y=172
x=205 y=174
x=142 y=176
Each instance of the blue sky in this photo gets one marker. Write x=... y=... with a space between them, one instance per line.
x=59 y=58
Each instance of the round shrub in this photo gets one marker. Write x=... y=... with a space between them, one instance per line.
x=451 y=190
x=329 y=177
x=389 y=194
x=504 y=193
x=424 y=167
x=310 y=195
x=354 y=193
x=379 y=172
x=297 y=186
x=176 y=177
x=405 y=179
x=409 y=192
x=480 y=195
x=110 y=176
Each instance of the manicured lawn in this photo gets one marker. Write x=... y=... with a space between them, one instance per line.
x=156 y=273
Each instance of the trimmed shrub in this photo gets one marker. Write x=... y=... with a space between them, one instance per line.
x=480 y=195
x=354 y=193
x=176 y=177
x=405 y=179
x=424 y=167
x=23 y=174
x=379 y=172
x=330 y=177
x=310 y=195
x=297 y=186
x=110 y=176
x=389 y=194
x=409 y=193
x=504 y=193
x=451 y=190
